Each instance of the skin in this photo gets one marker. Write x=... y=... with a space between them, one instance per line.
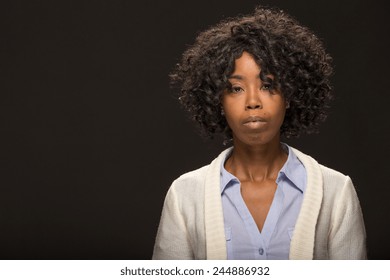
x=257 y=156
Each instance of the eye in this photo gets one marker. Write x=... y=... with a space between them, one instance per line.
x=267 y=86
x=234 y=89
x=237 y=89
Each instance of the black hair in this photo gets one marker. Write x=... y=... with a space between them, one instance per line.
x=280 y=45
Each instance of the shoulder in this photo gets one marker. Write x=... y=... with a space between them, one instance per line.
x=309 y=163
x=190 y=180
x=332 y=176
x=333 y=181
x=194 y=180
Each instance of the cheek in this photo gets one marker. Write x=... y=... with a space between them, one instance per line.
x=281 y=115
x=277 y=115
x=229 y=111
x=229 y=118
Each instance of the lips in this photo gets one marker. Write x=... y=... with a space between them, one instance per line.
x=254 y=122
x=253 y=119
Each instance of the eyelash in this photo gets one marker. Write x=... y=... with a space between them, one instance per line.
x=237 y=89
x=268 y=87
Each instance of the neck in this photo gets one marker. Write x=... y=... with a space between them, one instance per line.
x=256 y=163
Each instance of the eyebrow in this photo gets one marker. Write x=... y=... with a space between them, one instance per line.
x=238 y=77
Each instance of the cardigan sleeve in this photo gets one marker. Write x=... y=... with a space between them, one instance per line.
x=172 y=241
x=347 y=238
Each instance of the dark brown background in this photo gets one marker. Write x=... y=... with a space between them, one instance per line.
x=92 y=136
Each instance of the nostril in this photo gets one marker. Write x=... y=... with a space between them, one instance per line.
x=257 y=106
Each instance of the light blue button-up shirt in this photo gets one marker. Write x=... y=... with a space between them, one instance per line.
x=243 y=239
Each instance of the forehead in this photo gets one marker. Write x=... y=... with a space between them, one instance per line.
x=246 y=64
x=247 y=67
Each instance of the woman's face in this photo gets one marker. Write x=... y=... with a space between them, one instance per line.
x=253 y=109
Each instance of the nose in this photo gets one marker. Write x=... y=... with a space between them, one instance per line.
x=253 y=100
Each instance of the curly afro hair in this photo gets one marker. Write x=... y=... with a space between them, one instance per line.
x=281 y=47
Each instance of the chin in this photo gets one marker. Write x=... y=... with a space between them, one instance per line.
x=259 y=139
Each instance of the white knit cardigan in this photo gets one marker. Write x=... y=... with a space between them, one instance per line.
x=329 y=226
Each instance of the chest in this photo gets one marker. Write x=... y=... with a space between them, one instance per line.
x=258 y=197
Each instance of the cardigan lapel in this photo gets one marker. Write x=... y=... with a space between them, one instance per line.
x=214 y=223
x=302 y=242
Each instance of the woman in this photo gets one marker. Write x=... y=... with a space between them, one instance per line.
x=255 y=78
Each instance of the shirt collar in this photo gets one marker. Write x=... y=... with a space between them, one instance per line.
x=226 y=177
x=289 y=171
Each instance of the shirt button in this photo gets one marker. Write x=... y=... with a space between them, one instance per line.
x=261 y=251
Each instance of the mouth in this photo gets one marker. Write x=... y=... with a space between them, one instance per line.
x=254 y=122
x=253 y=119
